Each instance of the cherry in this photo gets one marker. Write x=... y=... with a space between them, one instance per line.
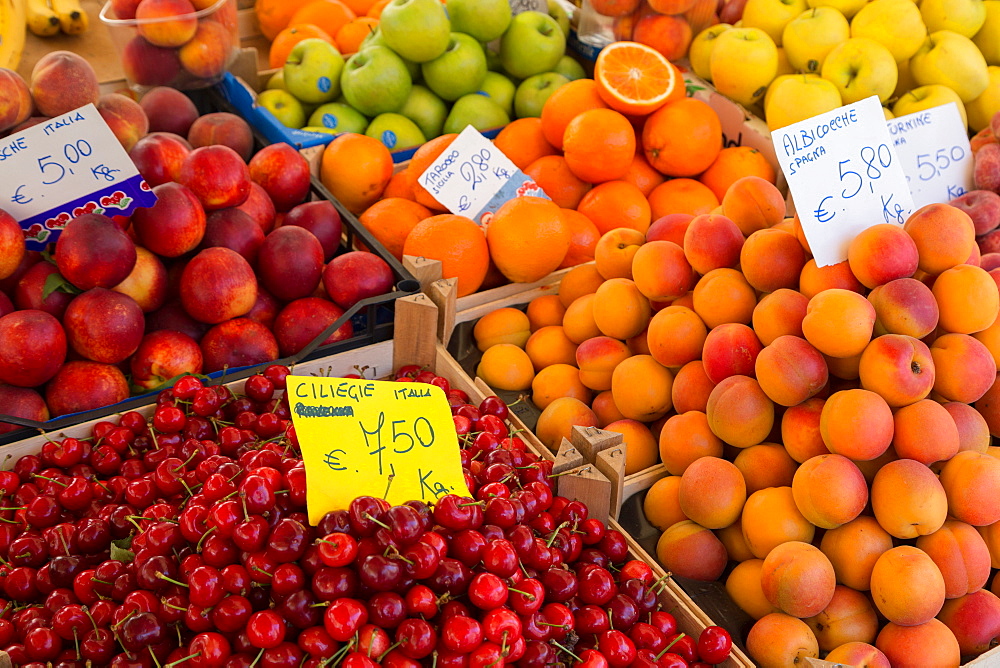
x=671 y=660
x=421 y=601
x=344 y=617
x=265 y=629
x=42 y=644
x=461 y=634
x=714 y=644
x=624 y=612
x=317 y=643
x=528 y=597
x=664 y=622
x=684 y=646
x=416 y=638
x=596 y=586
x=373 y=641
x=386 y=609
x=212 y=649
x=140 y=630
x=421 y=560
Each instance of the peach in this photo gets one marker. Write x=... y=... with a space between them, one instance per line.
x=839 y=322
x=967 y=298
x=779 y=313
x=772 y=259
x=642 y=451
x=691 y=551
x=800 y=431
x=983 y=207
x=815 y=279
x=578 y=322
x=597 y=358
x=904 y=306
x=753 y=204
x=647 y=400
x=928 y=644
x=691 y=388
x=723 y=295
x=712 y=492
x=989 y=261
x=973 y=432
x=127 y=120
x=661 y=271
x=857 y=424
x=858 y=654
x=147 y=64
x=661 y=505
x=743 y=586
x=15 y=102
x=790 y=370
x=962 y=556
x=925 y=431
x=684 y=439
x=222 y=127
x=778 y=640
x=971 y=481
x=908 y=500
x=988 y=406
x=765 y=465
x=771 y=518
x=849 y=617
x=730 y=349
x=811 y=487
x=798 y=578
x=712 y=241
x=739 y=412
x=676 y=336
x=882 y=253
x=944 y=236
x=207 y=53
x=558 y=419
x=975 y=621
x=166 y=23
x=853 y=549
x=964 y=367
x=907 y=586
x=615 y=251
x=898 y=368
x=620 y=309
x=62 y=81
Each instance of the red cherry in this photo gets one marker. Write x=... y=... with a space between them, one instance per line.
x=344 y=617
x=714 y=644
x=265 y=629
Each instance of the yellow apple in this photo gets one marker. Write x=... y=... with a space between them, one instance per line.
x=784 y=66
x=887 y=113
x=988 y=37
x=813 y=34
x=743 y=63
x=846 y=7
x=772 y=16
x=965 y=17
x=953 y=60
x=859 y=68
x=700 y=51
x=781 y=77
x=982 y=109
x=797 y=97
x=895 y=24
x=904 y=79
x=926 y=97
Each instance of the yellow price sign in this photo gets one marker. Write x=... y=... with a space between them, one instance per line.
x=379 y=438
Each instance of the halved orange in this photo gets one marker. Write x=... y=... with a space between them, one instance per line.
x=635 y=79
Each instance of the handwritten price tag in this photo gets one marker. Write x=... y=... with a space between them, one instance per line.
x=65 y=167
x=473 y=178
x=844 y=176
x=393 y=440
x=933 y=147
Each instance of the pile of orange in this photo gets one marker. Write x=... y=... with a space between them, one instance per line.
x=343 y=23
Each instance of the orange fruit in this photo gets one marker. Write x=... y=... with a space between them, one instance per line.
x=375 y=11
x=682 y=196
x=286 y=40
x=390 y=221
x=523 y=142
x=273 y=16
x=554 y=177
x=732 y=164
x=351 y=34
x=565 y=104
x=400 y=185
x=528 y=238
x=458 y=243
x=682 y=138
x=421 y=160
x=642 y=175
x=356 y=169
x=615 y=7
x=584 y=236
x=636 y=79
x=329 y=15
x=598 y=145
x=616 y=204
x=360 y=7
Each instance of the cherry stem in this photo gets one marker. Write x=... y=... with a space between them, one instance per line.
x=555 y=533
x=528 y=594
x=377 y=521
x=391 y=647
x=58 y=482
x=566 y=649
x=473 y=503
x=152 y=654
x=611 y=620
x=171 y=605
x=259 y=654
x=103 y=582
x=555 y=626
x=90 y=617
x=170 y=580
x=672 y=643
x=197 y=548
x=182 y=660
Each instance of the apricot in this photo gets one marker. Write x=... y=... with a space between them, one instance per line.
x=739 y=412
x=898 y=368
x=974 y=619
x=676 y=336
x=691 y=551
x=973 y=432
x=578 y=322
x=581 y=280
x=712 y=492
x=872 y=466
x=778 y=640
x=549 y=345
x=798 y=578
x=944 y=236
x=988 y=406
x=857 y=424
x=849 y=617
x=811 y=487
x=845 y=369
x=743 y=586
x=815 y=279
x=920 y=646
x=967 y=299
x=753 y=204
x=620 y=310
x=556 y=421
x=925 y=431
x=661 y=505
x=790 y=370
x=685 y=438
x=661 y=271
x=712 y=241
x=964 y=367
x=641 y=388
x=858 y=654
x=839 y=322
x=505 y=366
x=907 y=586
x=604 y=408
x=736 y=545
x=691 y=388
x=908 y=500
x=904 y=306
x=962 y=556
x=615 y=250
x=772 y=259
x=853 y=549
x=504 y=325
x=971 y=481
x=800 y=431
x=881 y=253
x=991 y=534
x=642 y=451
x=990 y=337
x=771 y=518
x=639 y=344
x=545 y=311
x=730 y=349
x=723 y=295
x=597 y=358
x=558 y=380
x=779 y=313
x=765 y=465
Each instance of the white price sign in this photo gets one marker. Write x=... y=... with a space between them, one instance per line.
x=473 y=178
x=65 y=167
x=844 y=176
x=933 y=146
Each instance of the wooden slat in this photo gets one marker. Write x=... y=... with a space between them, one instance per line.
x=590 y=486
x=416 y=319
x=990 y=659
x=611 y=463
x=478 y=304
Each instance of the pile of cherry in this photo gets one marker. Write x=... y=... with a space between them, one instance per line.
x=183 y=541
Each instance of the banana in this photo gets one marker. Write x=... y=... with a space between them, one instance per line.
x=73 y=18
x=42 y=20
x=12 y=32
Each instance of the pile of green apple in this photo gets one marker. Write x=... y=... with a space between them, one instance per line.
x=430 y=68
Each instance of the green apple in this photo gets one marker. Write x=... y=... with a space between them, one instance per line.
x=276 y=80
x=415 y=29
x=493 y=63
x=375 y=81
x=928 y=97
x=458 y=71
x=285 y=107
x=570 y=67
x=953 y=60
x=312 y=71
x=896 y=24
x=476 y=110
x=500 y=89
x=396 y=131
x=812 y=34
x=338 y=117
x=532 y=44
x=375 y=38
x=861 y=67
x=772 y=16
x=534 y=91
x=425 y=109
x=965 y=17
x=483 y=19
x=559 y=13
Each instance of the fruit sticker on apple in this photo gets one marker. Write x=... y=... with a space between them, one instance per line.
x=379 y=438
x=66 y=166
x=844 y=176
x=473 y=179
